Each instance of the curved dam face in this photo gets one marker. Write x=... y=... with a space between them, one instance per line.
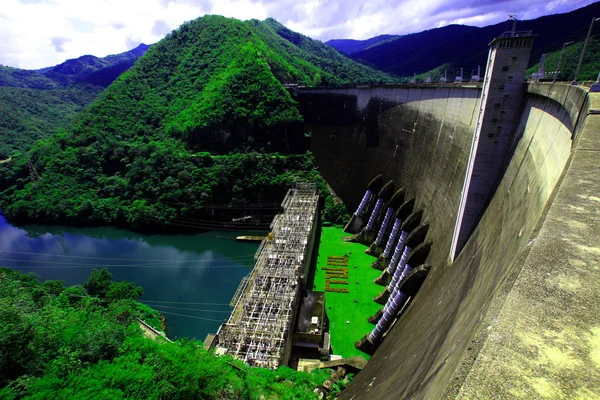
x=496 y=320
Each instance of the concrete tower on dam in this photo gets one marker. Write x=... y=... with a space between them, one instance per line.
x=495 y=128
x=515 y=313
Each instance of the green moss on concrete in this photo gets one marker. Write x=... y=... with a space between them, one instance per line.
x=341 y=307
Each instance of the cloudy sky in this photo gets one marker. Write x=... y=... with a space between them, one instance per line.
x=41 y=33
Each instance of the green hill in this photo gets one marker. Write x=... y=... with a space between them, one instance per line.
x=201 y=127
x=85 y=342
x=27 y=115
x=36 y=104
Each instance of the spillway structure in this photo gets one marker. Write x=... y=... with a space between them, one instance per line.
x=365 y=208
x=367 y=234
x=395 y=234
x=260 y=327
x=387 y=225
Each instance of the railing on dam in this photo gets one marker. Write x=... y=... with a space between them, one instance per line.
x=261 y=323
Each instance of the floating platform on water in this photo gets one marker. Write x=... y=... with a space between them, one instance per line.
x=250 y=238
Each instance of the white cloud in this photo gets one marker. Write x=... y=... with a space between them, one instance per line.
x=41 y=33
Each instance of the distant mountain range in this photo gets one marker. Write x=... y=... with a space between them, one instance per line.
x=349 y=46
x=35 y=104
x=85 y=69
x=456 y=46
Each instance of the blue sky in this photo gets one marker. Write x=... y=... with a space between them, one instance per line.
x=41 y=33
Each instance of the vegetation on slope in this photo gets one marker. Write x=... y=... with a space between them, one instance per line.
x=84 y=69
x=570 y=59
x=27 y=115
x=84 y=342
x=200 y=127
x=36 y=104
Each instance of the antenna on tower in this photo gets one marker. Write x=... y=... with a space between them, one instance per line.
x=513 y=18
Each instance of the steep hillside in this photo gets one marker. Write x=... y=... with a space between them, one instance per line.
x=464 y=46
x=35 y=104
x=349 y=46
x=201 y=127
x=27 y=115
x=84 y=342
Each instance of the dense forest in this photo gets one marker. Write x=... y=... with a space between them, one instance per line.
x=35 y=104
x=85 y=342
x=27 y=115
x=198 y=129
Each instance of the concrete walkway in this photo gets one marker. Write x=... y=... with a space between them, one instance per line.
x=545 y=342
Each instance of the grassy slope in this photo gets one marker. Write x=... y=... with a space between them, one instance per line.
x=341 y=306
x=569 y=61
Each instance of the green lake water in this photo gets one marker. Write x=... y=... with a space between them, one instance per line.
x=189 y=278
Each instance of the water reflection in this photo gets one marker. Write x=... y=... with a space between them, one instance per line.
x=202 y=271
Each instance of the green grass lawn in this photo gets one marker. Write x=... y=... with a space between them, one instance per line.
x=341 y=307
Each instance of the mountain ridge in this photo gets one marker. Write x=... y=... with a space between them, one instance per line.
x=349 y=46
x=468 y=46
x=69 y=72
x=35 y=104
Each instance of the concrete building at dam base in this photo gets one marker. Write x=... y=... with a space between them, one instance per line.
x=506 y=175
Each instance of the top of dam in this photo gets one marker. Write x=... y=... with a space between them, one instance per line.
x=433 y=85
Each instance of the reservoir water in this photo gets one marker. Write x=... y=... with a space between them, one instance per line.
x=190 y=279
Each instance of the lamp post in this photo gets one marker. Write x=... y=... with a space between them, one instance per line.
x=574 y=82
x=560 y=58
x=596 y=85
x=541 y=69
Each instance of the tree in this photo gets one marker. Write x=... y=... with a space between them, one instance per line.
x=99 y=283
x=335 y=213
x=54 y=287
x=124 y=291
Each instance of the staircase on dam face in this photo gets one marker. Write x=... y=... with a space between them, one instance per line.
x=260 y=327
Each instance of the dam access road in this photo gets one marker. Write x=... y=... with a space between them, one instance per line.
x=516 y=313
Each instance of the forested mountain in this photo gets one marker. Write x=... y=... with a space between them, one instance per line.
x=349 y=46
x=455 y=46
x=85 y=342
x=84 y=69
x=199 y=128
x=35 y=104
x=27 y=115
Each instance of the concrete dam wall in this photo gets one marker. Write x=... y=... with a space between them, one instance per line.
x=498 y=320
